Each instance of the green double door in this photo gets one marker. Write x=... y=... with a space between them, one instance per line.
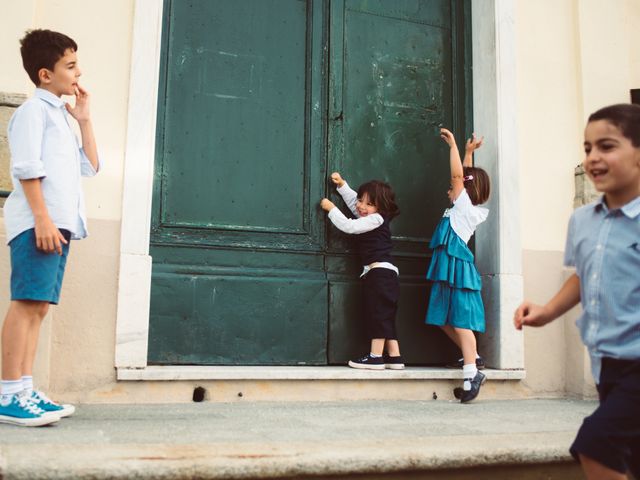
x=259 y=101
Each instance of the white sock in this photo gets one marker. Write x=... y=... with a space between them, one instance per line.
x=373 y=355
x=468 y=372
x=461 y=359
x=9 y=388
x=27 y=384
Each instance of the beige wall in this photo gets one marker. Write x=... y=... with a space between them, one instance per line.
x=77 y=344
x=633 y=21
x=16 y=18
x=103 y=33
x=605 y=33
x=572 y=56
x=549 y=125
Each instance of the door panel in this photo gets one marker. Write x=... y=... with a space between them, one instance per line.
x=238 y=175
x=392 y=90
x=239 y=141
x=392 y=87
x=222 y=321
x=228 y=101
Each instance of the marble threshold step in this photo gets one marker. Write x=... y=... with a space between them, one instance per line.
x=302 y=373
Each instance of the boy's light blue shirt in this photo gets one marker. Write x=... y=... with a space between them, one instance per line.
x=604 y=246
x=43 y=145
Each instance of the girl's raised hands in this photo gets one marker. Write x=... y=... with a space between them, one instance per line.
x=337 y=179
x=473 y=143
x=448 y=137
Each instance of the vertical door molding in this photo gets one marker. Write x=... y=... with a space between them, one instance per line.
x=498 y=246
x=134 y=283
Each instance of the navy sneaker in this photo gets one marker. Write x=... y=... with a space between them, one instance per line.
x=48 y=405
x=460 y=362
x=476 y=383
x=368 y=362
x=393 y=363
x=23 y=412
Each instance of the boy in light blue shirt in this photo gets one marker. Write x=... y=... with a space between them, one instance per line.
x=603 y=245
x=43 y=212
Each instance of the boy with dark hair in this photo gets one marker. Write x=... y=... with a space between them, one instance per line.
x=602 y=244
x=43 y=212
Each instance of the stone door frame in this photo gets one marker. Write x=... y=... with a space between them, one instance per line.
x=498 y=246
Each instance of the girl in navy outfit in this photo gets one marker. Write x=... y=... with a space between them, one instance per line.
x=374 y=207
x=455 y=303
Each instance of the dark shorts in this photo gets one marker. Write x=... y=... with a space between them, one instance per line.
x=36 y=275
x=611 y=435
x=381 y=289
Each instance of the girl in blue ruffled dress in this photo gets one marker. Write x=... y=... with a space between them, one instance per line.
x=455 y=303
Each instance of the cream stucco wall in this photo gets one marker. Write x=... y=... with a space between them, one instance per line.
x=103 y=33
x=549 y=126
x=572 y=56
x=633 y=20
x=76 y=350
x=16 y=17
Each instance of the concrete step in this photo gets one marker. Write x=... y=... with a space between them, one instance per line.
x=281 y=383
x=524 y=439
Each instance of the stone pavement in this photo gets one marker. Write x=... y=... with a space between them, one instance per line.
x=244 y=440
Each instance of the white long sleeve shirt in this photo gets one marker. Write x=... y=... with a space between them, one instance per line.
x=44 y=146
x=353 y=225
x=357 y=225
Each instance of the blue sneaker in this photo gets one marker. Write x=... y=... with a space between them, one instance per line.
x=48 y=405
x=22 y=411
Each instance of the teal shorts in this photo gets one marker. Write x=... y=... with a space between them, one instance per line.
x=36 y=275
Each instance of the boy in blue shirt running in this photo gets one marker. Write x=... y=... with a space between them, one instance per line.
x=43 y=212
x=603 y=246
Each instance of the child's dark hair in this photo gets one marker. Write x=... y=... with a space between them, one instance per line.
x=381 y=195
x=625 y=116
x=477 y=184
x=42 y=49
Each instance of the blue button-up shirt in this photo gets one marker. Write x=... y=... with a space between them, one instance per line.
x=43 y=145
x=604 y=246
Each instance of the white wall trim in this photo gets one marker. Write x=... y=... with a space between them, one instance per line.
x=498 y=244
x=134 y=282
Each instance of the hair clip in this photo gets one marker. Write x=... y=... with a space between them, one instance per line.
x=468 y=177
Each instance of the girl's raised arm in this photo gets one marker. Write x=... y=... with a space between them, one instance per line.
x=455 y=164
x=472 y=145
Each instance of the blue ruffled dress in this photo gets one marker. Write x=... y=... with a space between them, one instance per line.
x=455 y=293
